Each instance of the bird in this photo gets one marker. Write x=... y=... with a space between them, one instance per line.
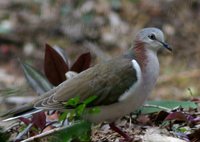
x=121 y=84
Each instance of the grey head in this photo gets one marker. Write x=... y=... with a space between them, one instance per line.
x=153 y=38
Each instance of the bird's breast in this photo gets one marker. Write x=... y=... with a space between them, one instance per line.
x=151 y=71
x=139 y=91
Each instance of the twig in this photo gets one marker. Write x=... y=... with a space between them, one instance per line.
x=25 y=131
x=44 y=134
x=156 y=106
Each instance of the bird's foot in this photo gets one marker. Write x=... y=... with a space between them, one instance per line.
x=127 y=138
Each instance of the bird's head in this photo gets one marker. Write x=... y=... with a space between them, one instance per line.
x=152 y=38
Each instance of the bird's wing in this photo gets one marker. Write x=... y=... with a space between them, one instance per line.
x=108 y=81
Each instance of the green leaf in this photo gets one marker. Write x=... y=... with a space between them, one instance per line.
x=63 y=116
x=79 y=132
x=73 y=101
x=94 y=110
x=182 y=129
x=35 y=79
x=89 y=99
x=72 y=115
x=80 y=109
x=169 y=104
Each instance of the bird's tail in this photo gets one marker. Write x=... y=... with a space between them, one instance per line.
x=22 y=111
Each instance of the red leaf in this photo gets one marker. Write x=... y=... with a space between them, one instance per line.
x=25 y=120
x=196 y=100
x=54 y=66
x=176 y=116
x=82 y=63
x=61 y=52
x=39 y=120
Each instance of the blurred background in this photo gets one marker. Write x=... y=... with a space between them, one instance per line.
x=102 y=25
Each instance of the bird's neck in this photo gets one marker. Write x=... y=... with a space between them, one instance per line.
x=140 y=54
x=147 y=59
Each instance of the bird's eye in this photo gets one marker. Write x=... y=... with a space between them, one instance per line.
x=152 y=37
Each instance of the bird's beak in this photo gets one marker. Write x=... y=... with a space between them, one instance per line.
x=165 y=45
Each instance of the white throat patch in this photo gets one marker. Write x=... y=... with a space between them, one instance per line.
x=132 y=89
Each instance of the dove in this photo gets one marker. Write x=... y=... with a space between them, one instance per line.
x=121 y=84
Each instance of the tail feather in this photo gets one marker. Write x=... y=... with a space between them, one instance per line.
x=22 y=111
x=27 y=109
x=26 y=115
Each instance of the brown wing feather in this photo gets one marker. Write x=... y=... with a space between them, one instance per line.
x=106 y=80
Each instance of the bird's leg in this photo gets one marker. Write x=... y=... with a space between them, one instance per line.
x=127 y=138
